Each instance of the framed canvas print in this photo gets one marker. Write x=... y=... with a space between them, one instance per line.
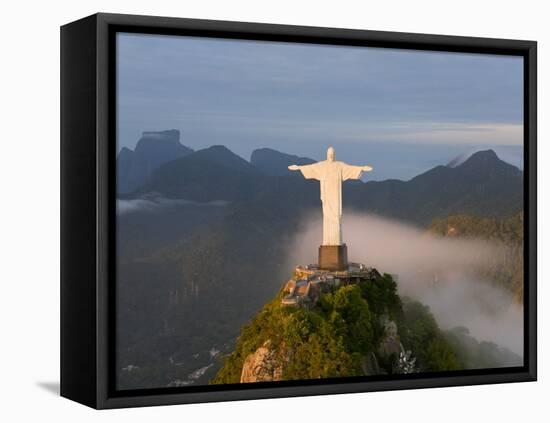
x=256 y=211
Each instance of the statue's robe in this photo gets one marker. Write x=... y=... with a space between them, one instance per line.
x=331 y=174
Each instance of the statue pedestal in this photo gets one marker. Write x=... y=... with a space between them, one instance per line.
x=333 y=257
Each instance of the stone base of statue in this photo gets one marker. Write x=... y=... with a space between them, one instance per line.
x=333 y=257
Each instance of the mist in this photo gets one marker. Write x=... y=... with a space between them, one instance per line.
x=155 y=203
x=437 y=271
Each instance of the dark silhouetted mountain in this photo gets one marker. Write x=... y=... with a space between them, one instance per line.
x=490 y=163
x=214 y=173
x=275 y=163
x=483 y=185
x=458 y=160
x=153 y=149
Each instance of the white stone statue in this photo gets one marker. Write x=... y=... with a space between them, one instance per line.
x=331 y=173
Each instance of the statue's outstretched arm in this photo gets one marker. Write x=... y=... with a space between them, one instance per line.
x=311 y=171
x=354 y=172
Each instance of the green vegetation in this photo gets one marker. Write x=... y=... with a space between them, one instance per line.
x=421 y=334
x=317 y=343
x=480 y=355
x=334 y=337
x=506 y=269
x=508 y=231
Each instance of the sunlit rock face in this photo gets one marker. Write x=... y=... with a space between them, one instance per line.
x=263 y=365
x=390 y=343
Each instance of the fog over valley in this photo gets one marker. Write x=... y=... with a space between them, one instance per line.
x=440 y=272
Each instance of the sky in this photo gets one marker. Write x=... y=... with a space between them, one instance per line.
x=400 y=111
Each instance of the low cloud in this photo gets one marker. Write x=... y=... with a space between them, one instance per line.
x=156 y=203
x=436 y=271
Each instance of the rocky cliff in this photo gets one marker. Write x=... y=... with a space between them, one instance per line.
x=354 y=329
x=264 y=365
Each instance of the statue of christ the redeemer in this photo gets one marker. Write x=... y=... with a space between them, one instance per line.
x=331 y=173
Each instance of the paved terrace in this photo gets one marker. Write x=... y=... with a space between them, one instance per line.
x=309 y=282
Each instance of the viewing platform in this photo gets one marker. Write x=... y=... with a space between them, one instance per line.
x=309 y=282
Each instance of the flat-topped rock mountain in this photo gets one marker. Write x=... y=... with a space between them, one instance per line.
x=134 y=167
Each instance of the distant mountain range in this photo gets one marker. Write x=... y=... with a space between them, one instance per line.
x=481 y=185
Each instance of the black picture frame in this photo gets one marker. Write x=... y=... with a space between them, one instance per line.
x=88 y=149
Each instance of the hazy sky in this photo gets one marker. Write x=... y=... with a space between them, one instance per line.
x=401 y=111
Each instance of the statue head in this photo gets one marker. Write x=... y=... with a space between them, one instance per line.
x=331 y=154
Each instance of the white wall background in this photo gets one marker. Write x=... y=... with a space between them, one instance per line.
x=29 y=167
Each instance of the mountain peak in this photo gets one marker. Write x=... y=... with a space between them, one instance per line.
x=484 y=155
x=275 y=163
x=220 y=152
x=169 y=140
x=476 y=156
x=483 y=159
x=210 y=174
x=221 y=149
x=460 y=159
x=216 y=155
x=485 y=165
